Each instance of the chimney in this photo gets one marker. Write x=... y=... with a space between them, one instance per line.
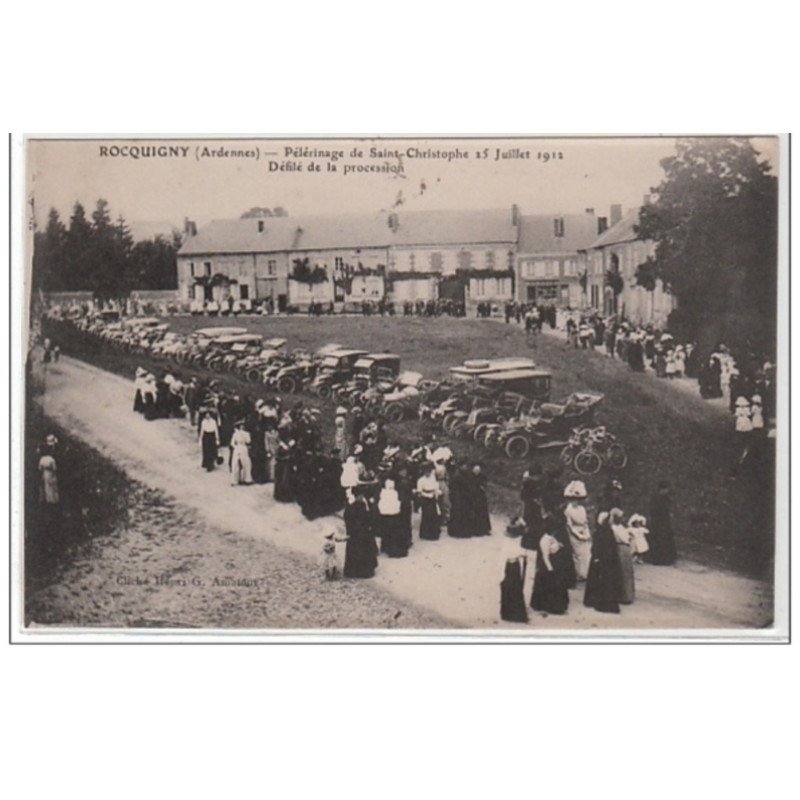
x=393 y=222
x=616 y=214
x=646 y=199
x=602 y=225
x=189 y=227
x=589 y=211
x=558 y=227
x=515 y=215
x=261 y=226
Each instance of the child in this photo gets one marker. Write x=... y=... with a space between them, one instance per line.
x=330 y=560
x=637 y=525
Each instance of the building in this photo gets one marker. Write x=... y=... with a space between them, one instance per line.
x=614 y=257
x=466 y=256
x=463 y=256
x=549 y=261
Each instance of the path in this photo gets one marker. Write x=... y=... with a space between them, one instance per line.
x=458 y=579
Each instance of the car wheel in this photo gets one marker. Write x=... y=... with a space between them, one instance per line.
x=287 y=385
x=517 y=447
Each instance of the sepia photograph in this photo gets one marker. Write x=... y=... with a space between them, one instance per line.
x=508 y=389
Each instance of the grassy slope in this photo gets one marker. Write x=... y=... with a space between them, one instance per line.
x=669 y=434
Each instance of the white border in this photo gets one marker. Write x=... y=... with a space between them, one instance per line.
x=778 y=633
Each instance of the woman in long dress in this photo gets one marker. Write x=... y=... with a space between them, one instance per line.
x=209 y=441
x=604 y=583
x=512 y=598
x=479 y=521
x=577 y=522
x=361 y=552
x=550 y=593
x=458 y=525
x=393 y=543
x=624 y=539
x=138 y=384
x=660 y=536
x=428 y=498
x=241 y=466
x=284 y=471
x=49 y=480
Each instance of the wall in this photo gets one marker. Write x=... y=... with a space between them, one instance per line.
x=301 y=295
x=413 y=290
x=446 y=259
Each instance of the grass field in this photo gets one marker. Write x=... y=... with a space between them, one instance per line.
x=669 y=434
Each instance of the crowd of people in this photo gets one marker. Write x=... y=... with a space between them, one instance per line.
x=391 y=495
x=377 y=483
x=555 y=546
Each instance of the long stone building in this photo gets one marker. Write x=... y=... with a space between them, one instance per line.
x=466 y=256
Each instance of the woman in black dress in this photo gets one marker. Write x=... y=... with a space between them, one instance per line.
x=361 y=553
x=554 y=571
x=458 y=525
x=478 y=502
x=428 y=499
x=284 y=471
x=604 y=582
x=661 y=538
x=512 y=600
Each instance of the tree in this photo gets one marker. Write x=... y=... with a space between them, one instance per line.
x=49 y=268
x=76 y=246
x=714 y=223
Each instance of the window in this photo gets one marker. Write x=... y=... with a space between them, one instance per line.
x=244 y=292
x=191 y=268
x=551 y=269
x=272 y=268
x=558 y=227
x=191 y=288
x=464 y=259
x=490 y=259
x=207 y=269
x=338 y=263
x=437 y=261
x=411 y=261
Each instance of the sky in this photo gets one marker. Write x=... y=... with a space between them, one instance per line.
x=579 y=174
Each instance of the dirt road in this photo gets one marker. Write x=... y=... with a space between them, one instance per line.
x=457 y=579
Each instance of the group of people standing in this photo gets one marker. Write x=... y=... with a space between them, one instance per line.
x=378 y=484
x=557 y=546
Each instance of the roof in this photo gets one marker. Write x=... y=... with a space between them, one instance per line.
x=284 y=234
x=514 y=374
x=537 y=233
x=621 y=232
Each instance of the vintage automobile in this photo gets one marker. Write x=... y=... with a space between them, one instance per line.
x=335 y=368
x=403 y=400
x=473 y=369
x=227 y=350
x=376 y=370
x=546 y=425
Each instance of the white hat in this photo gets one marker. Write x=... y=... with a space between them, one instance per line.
x=741 y=401
x=358 y=449
x=341 y=411
x=576 y=489
x=756 y=399
x=140 y=372
x=637 y=519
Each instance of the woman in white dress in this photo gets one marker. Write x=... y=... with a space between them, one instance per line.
x=241 y=465
x=578 y=527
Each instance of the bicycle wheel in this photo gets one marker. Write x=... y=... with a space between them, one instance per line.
x=587 y=462
x=616 y=456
